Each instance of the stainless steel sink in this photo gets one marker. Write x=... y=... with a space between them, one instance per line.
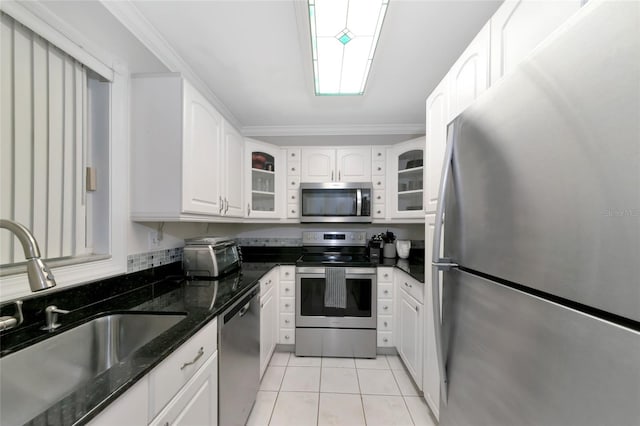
x=34 y=378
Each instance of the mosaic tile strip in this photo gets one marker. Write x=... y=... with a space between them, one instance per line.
x=270 y=242
x=142 y=261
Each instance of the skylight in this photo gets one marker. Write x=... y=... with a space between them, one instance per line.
x=344 y=35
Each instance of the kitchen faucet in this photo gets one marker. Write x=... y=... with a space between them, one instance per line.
x=39 y=274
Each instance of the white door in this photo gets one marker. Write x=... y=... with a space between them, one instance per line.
x=410 y=335
x=265 y=168
x=233 y=175
x=436 y=141
x=469 y=76
x=354 y=164
x=318 y=165
x=201 y=152
x=197 y=401
x=518 y=26
x=431 y=374
x=267 y=329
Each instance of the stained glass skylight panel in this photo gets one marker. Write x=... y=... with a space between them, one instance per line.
x=344 y=35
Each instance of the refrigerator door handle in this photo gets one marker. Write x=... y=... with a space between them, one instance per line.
x=438 y=264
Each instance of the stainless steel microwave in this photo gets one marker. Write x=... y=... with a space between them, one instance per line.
x=335 y=202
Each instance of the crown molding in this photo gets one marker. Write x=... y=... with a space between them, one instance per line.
x=335 y=130
x=132 y=19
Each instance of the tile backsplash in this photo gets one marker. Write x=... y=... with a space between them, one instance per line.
x=142 y=261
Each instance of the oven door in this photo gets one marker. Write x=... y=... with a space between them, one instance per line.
x=360 y=310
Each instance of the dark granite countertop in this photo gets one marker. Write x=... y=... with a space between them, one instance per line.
x=201 y=300
x=163 y=290
x=413 y=267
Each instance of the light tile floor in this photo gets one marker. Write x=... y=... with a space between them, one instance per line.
x=297 y=391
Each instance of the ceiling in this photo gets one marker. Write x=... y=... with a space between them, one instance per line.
x=256 y=57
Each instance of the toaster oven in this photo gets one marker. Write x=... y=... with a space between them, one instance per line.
x=210 y=256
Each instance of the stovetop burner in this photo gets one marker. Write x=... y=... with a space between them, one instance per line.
x=340 y=249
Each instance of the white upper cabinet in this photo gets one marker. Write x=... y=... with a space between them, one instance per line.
x=233 y=154
x=469 y=76
x=436 y=141
x=518 y=26
x=336 y=165
x=406 y=182
x=178 y=153
x=318 y=165
x=264 y=188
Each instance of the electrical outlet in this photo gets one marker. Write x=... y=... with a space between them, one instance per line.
x=154 y=242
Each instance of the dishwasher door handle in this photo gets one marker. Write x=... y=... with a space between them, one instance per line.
x=244 y=309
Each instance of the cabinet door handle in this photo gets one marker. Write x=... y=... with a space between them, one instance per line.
x=221 y=203
x=226 y=205
x=416 y=308
x=286 y=289
x=339 y=178
x=386 y=292
x=385 y=340
x=248 y=209
x=286 y=321
x=286 y=337
x=286 y=305
x=385 y=324
x=385 y=307
x=379 y=168
x=198 y=356
x=293 y=169
x=286 y=274
x=331 y=176
x=379 y=154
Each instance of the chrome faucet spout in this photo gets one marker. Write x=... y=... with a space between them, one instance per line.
x=40 y=276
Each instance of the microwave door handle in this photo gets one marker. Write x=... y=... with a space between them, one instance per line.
x=358 y=202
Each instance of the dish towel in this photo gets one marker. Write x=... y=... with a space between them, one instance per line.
x=335 y=291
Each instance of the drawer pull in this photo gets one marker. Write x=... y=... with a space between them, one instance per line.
x=200 y=353
x=385 y=307
x=166 y=423
x=386 y=324
x=286 y=274
x=287 y=321
x=286 y=337
x=286 y=305
x=386 y=292
x=286 y=289
x=386 y=275
x=384 y=339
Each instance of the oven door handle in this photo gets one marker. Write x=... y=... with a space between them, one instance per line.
x=358 y=202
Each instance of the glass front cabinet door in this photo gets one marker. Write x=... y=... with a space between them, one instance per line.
x=407 y=166
x=265 y=164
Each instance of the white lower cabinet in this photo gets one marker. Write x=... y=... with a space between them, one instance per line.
x=181 y=390
x=409 y=337
x=286 y=311
x=385 y=307
x=409 y=340
x=268 y=327
x=197 y=401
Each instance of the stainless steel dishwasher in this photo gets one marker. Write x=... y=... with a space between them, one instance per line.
x=239 y=365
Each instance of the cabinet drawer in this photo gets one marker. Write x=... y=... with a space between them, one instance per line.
x=385 y=307
x=378 y=197
x=292 y=196
x=385 y=323
x=197 y=402
x=385 y=275
x=378 y=182
x=287 y=289
x=266 y=283
x=293 y=154
x=385 y=339
x=378 y=154
x=287 y=273
x=293 y=182
x=287 y=336
x=287 y=305
x=378 y=169
x=287 y=320
x=293 y=168
x=385 y=291
x=378 y=210
x=292 y=210
x=168 y=378
x=413 y=287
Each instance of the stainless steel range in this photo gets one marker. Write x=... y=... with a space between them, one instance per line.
x=335 y=296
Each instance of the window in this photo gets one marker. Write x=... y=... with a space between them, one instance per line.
x=54 y=124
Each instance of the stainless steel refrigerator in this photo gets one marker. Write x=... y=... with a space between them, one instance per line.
x=540 y=199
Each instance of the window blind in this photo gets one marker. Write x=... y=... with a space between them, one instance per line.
x=42 y=144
